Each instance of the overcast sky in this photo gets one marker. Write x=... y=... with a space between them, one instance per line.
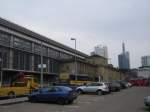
x=91 y=22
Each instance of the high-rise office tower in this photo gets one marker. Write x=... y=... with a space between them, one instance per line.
x=145 y=61
x=101 y=51
x=123 y=59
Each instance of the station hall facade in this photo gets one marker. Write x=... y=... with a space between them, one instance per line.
x=21 y=49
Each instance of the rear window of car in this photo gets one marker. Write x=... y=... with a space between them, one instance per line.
x=107 y=83
x=96 y=84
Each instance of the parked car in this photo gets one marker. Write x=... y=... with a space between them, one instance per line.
x=109 y=84
x=66 y=84
x=147 y=101
x=115 y=86
x=94 y=87
x=129 y=84
x=59 y=94
x=123 y=84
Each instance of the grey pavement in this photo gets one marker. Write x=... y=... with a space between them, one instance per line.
x=128 y=100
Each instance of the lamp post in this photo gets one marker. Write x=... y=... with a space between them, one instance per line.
x=75 y=67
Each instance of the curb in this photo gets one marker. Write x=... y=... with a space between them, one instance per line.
x=13 y=101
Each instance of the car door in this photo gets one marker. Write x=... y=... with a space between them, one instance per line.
x=49 y=94
x=93 y=87
x=97 y=86
x=87 y=87
x=41 y=96
x=90 y=88
x=53 y=93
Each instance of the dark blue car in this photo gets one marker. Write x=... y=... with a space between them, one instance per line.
x=59 y=94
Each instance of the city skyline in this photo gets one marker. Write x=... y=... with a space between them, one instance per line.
x=124 y=21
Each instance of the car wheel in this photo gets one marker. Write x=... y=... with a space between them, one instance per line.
x=33 y=99
x=70 y=101
x=99 y=92
x=61 y=101
x=11 y=94
x=116 y=89
x=79 y=91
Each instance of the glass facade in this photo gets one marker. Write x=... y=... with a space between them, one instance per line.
x=22 y=44
x=4 y=56
x=21 y=60
x=37 y=61
x=26 y=57
x=54 y=53
x=21 y=54
x=37 y=48
x=20 y=51
x=4 y=39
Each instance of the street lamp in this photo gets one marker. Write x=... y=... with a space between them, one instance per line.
x=75 y=67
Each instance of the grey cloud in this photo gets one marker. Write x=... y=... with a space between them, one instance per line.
x=92 y=22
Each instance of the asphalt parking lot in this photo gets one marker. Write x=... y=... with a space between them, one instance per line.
x=128 y=100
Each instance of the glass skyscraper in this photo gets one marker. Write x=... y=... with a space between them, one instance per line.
x=123 y=59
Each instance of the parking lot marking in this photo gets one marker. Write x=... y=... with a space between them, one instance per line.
x=59 y=111
x=84 y=102
x=72 y=106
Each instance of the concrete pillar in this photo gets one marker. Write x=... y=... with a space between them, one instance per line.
x=11 y=53
x=32 y=58
x=48 y=65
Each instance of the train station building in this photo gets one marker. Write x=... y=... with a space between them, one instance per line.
x=21 y=50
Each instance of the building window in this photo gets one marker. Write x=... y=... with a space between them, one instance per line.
x=45 y=61
x=22 y=44
x=53 y=53
x=37 y=61
x=53 y=66
x=45 y=51
x=4 y=39
x=65 y=56
x=56 y=67
x=37 y=48
x=21 y=60
x=4 y=55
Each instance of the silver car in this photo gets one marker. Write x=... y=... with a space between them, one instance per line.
x=147 y=101
x=94 y=87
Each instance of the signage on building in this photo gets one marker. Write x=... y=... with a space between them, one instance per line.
x=64 y=76
x=39 y=65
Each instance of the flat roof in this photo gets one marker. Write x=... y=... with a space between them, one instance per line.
x=25 y=31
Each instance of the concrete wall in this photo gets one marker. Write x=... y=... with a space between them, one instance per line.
x=109 y=74
x=144 y=72
x=106 y=73
x=97 y=60
x=82 y=68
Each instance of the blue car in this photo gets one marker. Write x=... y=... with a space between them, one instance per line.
x=59 y=94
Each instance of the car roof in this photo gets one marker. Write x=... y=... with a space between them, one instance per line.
x=61 y=87
x=97 y=82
